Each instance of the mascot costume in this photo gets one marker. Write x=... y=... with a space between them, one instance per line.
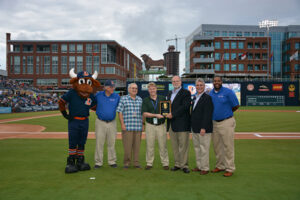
x=79 y=99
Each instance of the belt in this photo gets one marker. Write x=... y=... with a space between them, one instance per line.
x=107 y=121
x=223 y=119
x=155 y=124
x=80 y=118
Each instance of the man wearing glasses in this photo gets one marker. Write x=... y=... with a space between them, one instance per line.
x=179 y=124
x=130 y=116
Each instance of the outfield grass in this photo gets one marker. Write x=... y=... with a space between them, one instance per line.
x=34 y=169
x=246 y=122
x=269 y=108
x=27 y=114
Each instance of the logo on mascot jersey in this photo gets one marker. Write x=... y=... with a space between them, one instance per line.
x=88 y=101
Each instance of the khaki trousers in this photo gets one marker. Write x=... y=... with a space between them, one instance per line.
x=158 y=132
x=201 y=146
x=223 y=141
x=131 y=143
x=105 y=132
x=180 y=145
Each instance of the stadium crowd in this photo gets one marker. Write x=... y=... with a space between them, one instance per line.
x=20 y=95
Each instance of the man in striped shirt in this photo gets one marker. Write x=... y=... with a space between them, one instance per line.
x=130 y=116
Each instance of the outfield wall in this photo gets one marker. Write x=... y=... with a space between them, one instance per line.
x=249 y=93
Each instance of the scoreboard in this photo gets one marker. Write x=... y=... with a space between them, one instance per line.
x=265 y=100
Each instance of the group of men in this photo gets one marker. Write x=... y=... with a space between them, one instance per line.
x=205 y=115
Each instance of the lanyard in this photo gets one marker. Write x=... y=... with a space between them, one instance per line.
x=154 y=106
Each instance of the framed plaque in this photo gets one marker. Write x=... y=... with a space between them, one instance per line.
x=164 y=107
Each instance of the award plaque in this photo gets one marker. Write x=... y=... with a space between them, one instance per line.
x=165 y=107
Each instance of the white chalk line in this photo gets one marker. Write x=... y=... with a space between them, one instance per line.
x=276 y=136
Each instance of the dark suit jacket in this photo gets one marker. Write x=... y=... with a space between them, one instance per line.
x=180 y=111
x=201 y=116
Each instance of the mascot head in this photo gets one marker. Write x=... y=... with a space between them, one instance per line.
x=83 y=82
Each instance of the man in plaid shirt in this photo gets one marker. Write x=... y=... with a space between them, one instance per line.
x=130 y=116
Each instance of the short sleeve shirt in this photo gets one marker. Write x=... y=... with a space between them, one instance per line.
x=223 y=101
x=106 y=106
x=132 y=112
x=78 y=107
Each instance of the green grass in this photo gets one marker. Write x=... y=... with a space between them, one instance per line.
x=34 y=169
x=267 y=121
x=27 y=114
x=269 y=108
x=246 y=122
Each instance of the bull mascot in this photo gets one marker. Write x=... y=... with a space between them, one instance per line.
x=80 y=99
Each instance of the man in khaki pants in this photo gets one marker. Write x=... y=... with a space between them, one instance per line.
x=225 y=103
x=179 y=124
x=201 y=125
x=155 y=127
x=129 y=109
x=105 y=127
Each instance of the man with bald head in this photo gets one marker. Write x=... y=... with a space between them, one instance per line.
x=179 y=124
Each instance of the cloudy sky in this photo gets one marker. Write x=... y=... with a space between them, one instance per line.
x=141 y=26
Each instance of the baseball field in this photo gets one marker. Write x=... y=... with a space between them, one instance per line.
x=33 y=150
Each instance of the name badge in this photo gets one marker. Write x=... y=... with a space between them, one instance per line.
x=134 y=114
x=155 y=121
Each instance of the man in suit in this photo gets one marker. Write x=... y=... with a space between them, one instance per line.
x=201 y=123
x=179 y=124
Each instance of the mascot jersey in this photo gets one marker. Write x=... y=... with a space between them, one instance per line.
x=78 y=107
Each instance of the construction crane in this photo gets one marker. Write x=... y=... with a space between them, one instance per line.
x=176 y=40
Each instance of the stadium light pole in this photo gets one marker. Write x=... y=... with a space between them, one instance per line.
x=267 y=24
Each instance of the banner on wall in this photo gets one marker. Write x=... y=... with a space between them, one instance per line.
x=5 y=110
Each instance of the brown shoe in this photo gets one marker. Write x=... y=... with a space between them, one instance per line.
x=148 y=167
x=216 y=170
x=196 y=170
x=228 y=174
x=204 y=172
x=166 y=167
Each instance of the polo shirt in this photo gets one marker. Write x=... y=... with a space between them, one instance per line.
x=132 y=112
x=106 y=105
x=78 y=107
x=151 y=106
x=223 y=101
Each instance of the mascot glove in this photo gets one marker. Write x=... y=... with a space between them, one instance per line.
x=66 y=115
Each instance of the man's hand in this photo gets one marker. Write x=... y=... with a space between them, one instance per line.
x=66 y=115
x=169 y=116
x=202 y=132
x=159 y=116
x=123 y=127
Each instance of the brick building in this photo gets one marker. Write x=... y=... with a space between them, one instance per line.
x=291 y=58
x=46 y=63
x=171 y=59
x=243 y=51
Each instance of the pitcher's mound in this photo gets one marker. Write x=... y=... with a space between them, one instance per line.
x=20 y=128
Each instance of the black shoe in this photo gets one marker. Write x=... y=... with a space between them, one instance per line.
x=97 y=167
x=175 y=168
x=114 y=165
x=148 y=167
x=138 y=167
x=166 y=167
x=71 y=167
x=81 y=165
x=186 y=170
